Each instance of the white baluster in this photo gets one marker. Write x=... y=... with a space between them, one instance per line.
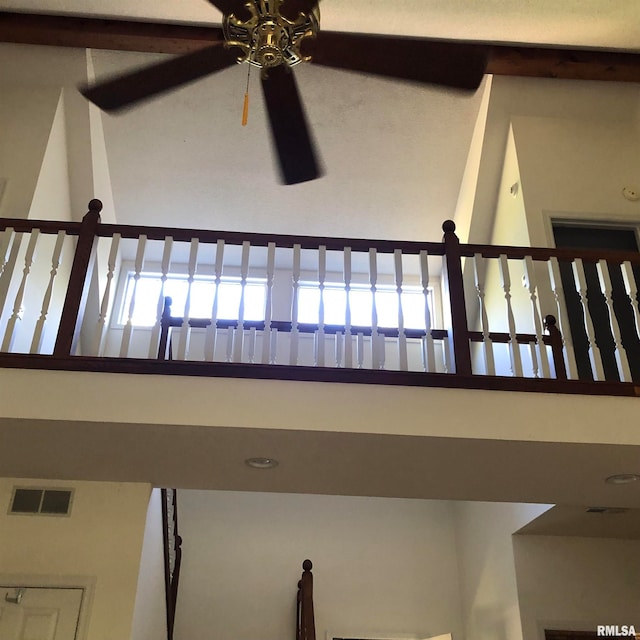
x=535 y=367
x=9 y=249
x=128 y=327
x=212 y=329
x=339 y=342
x=373 y=279
x=273 y=340
x=555 y=281
x=514 y=347
x=105 y=304
x=229 y=346
x=244 y=272
x=487 y=343
x=428 y=350
x=268 y=307
x=251 y=350
x=164 y=267
x=594 y=351
x=606 y=287
x=630 y=287
x=529 y=281
x=360 y=349
x=402 y=336
x=38 y=333
x=18 y=310
x=448 y=361
x=293 y=346
x=319 y=341
x=185 y=329
x=348 y=342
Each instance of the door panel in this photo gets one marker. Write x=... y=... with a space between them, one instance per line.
x=40 y=614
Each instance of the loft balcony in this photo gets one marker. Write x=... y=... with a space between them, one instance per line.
x=88 y=296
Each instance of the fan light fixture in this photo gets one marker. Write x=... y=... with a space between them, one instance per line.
x=623 y=478
x=261 y=463
x=268 y=38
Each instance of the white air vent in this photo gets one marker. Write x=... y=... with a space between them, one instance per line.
x=49 y=502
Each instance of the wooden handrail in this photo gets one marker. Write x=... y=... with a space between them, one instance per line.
x=305 y=618
x=172 y=544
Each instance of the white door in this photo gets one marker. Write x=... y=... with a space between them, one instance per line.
x=39 y=613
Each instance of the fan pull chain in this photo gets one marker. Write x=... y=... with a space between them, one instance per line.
x=245 y=108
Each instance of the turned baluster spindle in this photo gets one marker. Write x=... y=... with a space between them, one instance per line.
x=18 y=310
x=9 y=247
x=428 y=350
x=487 y=343
x=348 y=342
x=514 y=347
x=529 y=281
x=268 y=307
x=165 y=266
x=295 y=283
x=127 y=332
x=376 y=347
x=56 y=256
x=185 y=329
x=622 y=362
x=555 y=281
x=595 y=356
x=631 y=289
x=402 y=336
x=244 y=274
x=212 y=329
x=319 y=343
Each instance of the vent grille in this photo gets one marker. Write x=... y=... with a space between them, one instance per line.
x=609 y=510
x=50 y=502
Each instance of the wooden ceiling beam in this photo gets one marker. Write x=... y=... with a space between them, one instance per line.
x=97 y=33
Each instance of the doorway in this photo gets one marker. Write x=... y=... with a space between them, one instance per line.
x=39 y=613
x=572 y=236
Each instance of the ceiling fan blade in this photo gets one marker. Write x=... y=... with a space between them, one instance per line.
x=237 y=7
x=128 y=89
x=289 y=128
x=448 y=63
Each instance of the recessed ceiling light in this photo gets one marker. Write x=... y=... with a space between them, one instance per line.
x=623 y=478
x=261 y=463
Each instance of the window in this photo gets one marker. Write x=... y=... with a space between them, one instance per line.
x=149 y=290
x=360 y=305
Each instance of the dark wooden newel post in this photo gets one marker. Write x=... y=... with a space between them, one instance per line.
x=454 y=285
x=557 y=349
x=79 y=279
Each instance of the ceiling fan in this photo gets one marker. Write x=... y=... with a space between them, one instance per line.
x=276 y=35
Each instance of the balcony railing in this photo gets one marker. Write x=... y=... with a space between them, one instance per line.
x=331 y=309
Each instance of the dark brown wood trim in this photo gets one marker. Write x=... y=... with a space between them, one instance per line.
x=541 y=253
x=568 y=64
x=97 y=33
x=79 y=278
x=20 y=225
x=313 y=374
x=127 y=35
x=263 y=239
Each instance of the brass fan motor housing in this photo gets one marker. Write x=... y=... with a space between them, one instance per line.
x=268 y=38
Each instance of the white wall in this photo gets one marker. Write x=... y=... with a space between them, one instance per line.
x=576 y=583
x=26 y=117
x=576 y=169
x=381 y=566
x=102 y=538
x=487 y=574
x=150 y=614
